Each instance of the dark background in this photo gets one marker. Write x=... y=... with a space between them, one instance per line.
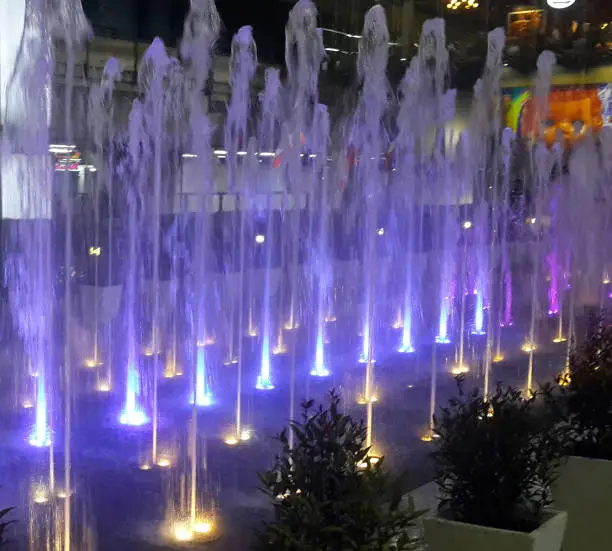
x=143 y=20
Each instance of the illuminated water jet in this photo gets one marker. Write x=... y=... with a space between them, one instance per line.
x=132 y=414
x=203 y=393
x=319 y=369
x=41 y=433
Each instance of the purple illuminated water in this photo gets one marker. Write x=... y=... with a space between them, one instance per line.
x=287 y=249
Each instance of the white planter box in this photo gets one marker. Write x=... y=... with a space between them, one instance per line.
x=584 y=490
x=448 y=535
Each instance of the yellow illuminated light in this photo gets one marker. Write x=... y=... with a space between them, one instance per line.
x=498 y=358
x=92 y=363
x=103 y=386
x=145 y=467
x=27 y=403
x=203 y=527
x=565 y=379
x=362 y=400
x=428 y=436
x=181 y=532
x=231 y=441
x=460 y=370
x=279 y=349
x=184 y=531
x=40 y=495
x=95 y=251
x=528 y=347
x=559 y=339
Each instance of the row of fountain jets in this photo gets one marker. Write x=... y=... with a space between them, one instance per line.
x=432 y=176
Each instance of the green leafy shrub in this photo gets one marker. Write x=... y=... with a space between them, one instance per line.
x=583 y=402
x=494 y=462
x=328 y=494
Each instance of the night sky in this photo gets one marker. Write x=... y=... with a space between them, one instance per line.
x=146 y=19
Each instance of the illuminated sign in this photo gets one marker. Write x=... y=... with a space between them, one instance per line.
x=70 y=167
x=560 y=4
x=68 y=163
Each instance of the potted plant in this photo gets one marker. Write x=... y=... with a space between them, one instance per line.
x=583 y=407
x=328 y=493
x=493 y=467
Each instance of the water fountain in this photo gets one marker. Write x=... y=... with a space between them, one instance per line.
x=280 y=280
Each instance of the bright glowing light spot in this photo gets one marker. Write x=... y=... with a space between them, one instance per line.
x=145 y=467
x=362 y=465
x=181 y=532
x=397 y=324
x=380 y=231
x=320 y=371
x=406 y=349
x=490 y=412
x=231 y=361
x=442 y=340
x=498 y=358
x=427 y=437
x=532 y=220
x=467 y=224
x=149 y=352
x=557 y=340
x=203 y=527
x=103 y=386
x=231 y=441
x=528 y=347
x=279 y=349
x=27 y=404
x=40 y=437
x=95 y=251
x=252 y=332
x=606 y=281
x=373 y=460
x=264 y=384
x=260 y=239
x=133 y=418
x=362 y=400
x=164 y=462
x=290 y=327
x=40 y=494
x=245 y=435
x=410 y=387
x=330 y=319
x=460 y=370
x=92 y=363
x=363 y=359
